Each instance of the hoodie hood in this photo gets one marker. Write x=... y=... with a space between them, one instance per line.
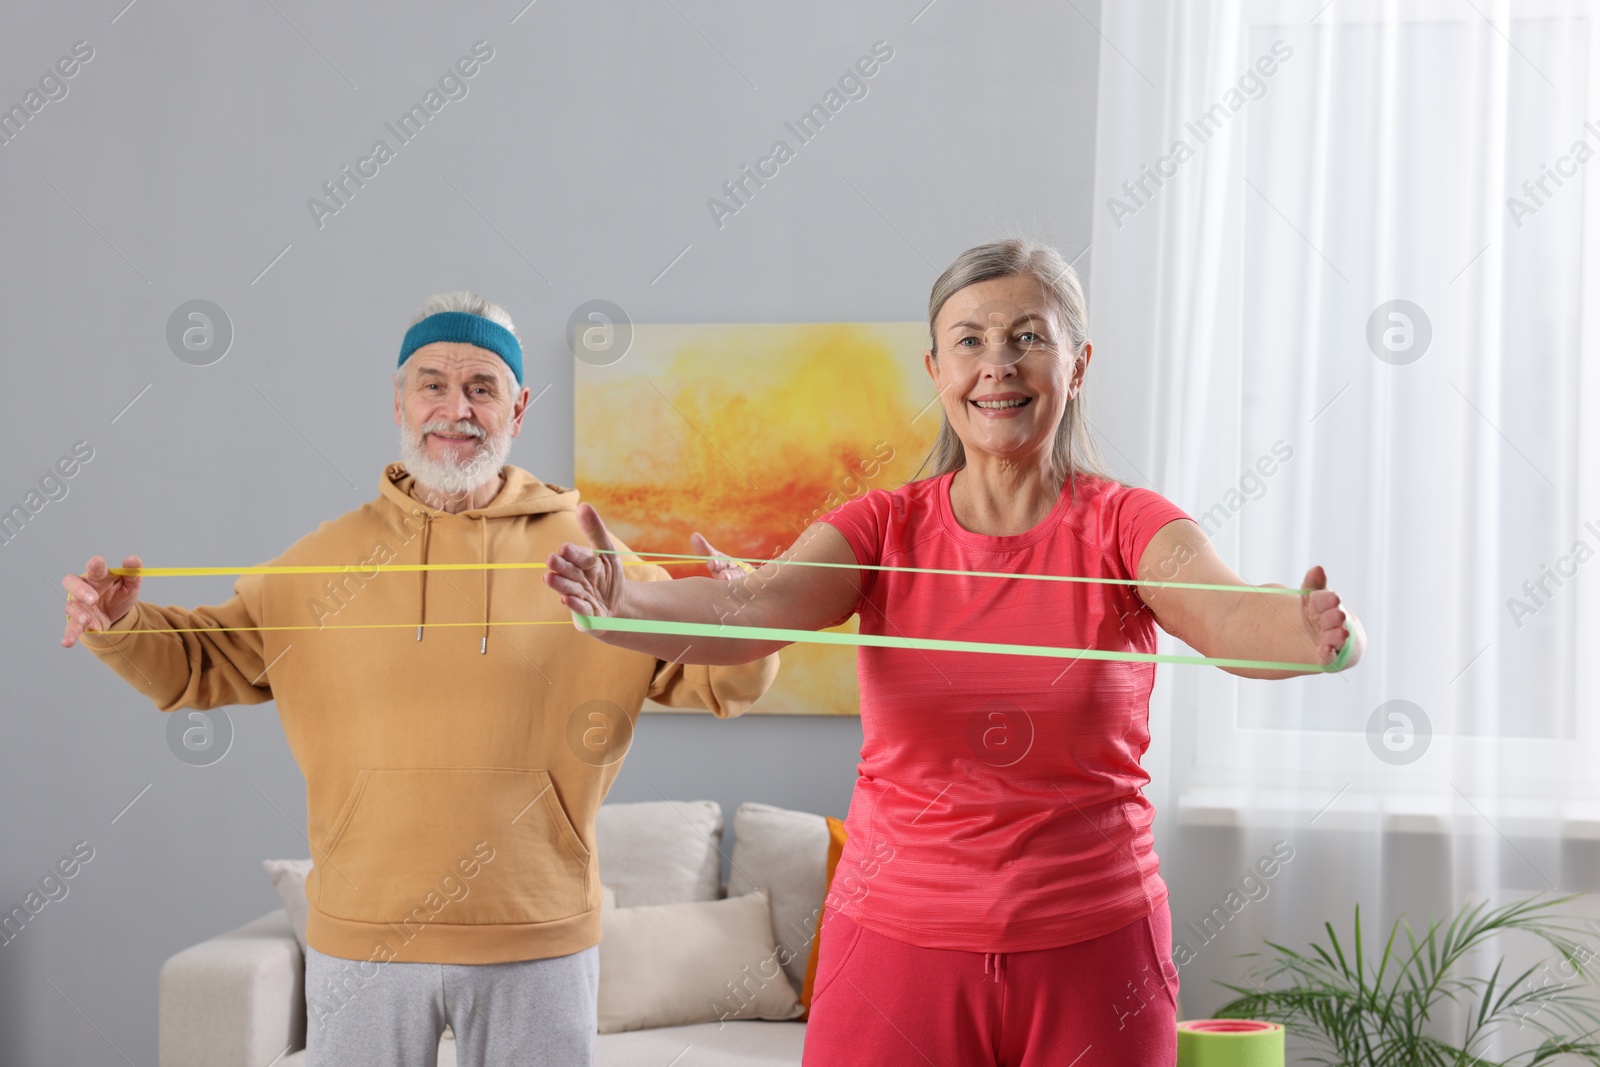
x=521 y=495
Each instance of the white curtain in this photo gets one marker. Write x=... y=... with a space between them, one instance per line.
x=1343 y=299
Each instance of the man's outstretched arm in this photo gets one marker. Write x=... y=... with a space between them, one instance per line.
x=175 y=670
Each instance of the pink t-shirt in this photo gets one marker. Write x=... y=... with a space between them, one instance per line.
x=998 y=804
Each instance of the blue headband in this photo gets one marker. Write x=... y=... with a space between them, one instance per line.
x=461 y=326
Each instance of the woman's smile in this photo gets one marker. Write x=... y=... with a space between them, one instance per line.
x=1001 y=405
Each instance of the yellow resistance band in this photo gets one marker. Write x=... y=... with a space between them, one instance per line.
x=674 y=559
x=761 y=633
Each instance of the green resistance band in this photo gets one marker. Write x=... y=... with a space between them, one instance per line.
x=829 y=637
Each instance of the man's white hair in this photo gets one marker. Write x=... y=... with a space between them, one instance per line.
x=472 y=304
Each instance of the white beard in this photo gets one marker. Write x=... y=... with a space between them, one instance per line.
x=449 y=478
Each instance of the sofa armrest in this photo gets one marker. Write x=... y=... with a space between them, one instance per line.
x=237 y=1000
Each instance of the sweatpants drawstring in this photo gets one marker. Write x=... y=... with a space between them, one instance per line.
x=997 y=959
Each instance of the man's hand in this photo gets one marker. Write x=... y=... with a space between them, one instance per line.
x=1328 y=625
x=590 y=582
x=720 y=564
x=97 y=598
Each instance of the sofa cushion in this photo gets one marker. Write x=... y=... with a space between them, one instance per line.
x=836 y=843
x=746 y=1044
x=289 y=879
x=786 y=853
x=690 y=962
x=660 y=851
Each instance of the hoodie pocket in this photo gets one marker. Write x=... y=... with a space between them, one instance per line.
x=456 y=845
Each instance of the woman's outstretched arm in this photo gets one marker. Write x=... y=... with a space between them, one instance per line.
x=776 y=594
x=1310 y=628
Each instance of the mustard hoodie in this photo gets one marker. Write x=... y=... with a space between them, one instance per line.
x=452 y=771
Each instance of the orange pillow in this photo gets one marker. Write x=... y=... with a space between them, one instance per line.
x=836 y=840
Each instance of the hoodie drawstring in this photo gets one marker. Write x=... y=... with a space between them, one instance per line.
x=422 y=602
x=483 y=527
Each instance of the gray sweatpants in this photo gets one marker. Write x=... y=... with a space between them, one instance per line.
x=531 y=1013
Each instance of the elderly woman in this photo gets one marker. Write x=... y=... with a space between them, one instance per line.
x=998 y=900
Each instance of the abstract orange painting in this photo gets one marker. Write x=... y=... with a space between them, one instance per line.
x=747 y=433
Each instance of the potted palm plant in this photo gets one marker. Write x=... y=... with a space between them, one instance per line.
x=1355 y=1011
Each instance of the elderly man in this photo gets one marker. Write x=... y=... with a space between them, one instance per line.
x=453 y=764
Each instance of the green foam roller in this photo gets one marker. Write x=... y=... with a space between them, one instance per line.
x=1229 y=1043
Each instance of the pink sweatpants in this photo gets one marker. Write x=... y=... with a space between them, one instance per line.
x=1107 y=1002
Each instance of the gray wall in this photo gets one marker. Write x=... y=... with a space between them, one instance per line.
x=178 y=166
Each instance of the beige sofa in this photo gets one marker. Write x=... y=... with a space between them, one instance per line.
x=237 y=1000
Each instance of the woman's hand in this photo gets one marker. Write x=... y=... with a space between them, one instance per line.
x=590 y=582
x=720 y=564
x=1327 y=624
x=97 y=598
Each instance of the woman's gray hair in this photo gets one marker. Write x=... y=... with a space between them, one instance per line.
x=472 y=304
x=1074 y=451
